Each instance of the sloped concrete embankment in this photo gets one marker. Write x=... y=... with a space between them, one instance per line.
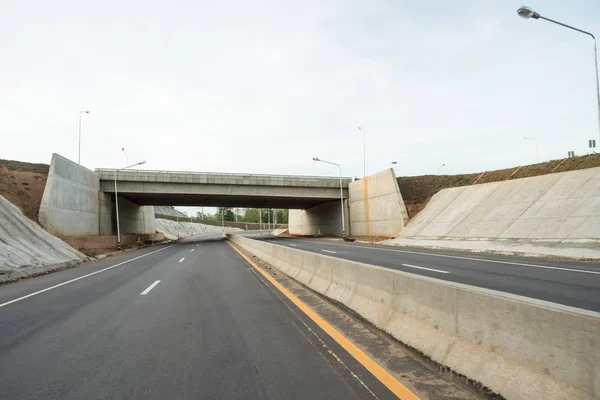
x=520 y=348
x=174 y=230
x=556 y=214
x=26 y=249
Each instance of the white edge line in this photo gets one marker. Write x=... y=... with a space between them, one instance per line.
x=293 y=245
x=427 y=269
x=463 y=258
x=329 y=251
x=193 y=249
x=182 y=259
x=81 y=277
x=149 y=288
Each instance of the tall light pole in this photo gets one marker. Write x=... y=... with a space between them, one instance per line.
x=79 y=153
x=317 y=159
x=117 y=202
x=126 y=156
x=537 y=154
x=440 y=167
x=528 y=13
x=394 y=166
x=360 y=128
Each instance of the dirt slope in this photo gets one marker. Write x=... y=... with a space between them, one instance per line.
x=23 y=185
x=417 y=190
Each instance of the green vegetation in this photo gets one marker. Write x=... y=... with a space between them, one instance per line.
x=250 y=215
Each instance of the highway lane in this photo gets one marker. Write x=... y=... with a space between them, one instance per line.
x=183 y=321
x=571 y=283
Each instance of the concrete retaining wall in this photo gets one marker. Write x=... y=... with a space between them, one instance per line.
x=519 y=347
x=376 y=206
x=134 y=218
x=72 y=205
x=69 y=205
x=106 y=219
x=325 y=218
x=561 y=206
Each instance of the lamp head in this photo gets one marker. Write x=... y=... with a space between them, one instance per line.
x=526 y=12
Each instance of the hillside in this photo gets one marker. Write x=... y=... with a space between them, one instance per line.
x=417 y=190
x=23 y=185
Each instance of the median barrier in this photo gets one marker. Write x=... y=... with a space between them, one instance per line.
x=519 y=347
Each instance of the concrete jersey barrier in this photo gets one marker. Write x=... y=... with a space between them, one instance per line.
x=519 y=347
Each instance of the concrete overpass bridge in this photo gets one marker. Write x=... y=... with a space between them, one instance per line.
x=158 y=188
x=81 y=202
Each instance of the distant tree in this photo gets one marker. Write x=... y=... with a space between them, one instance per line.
x=282 y=216
x=250 y=215
x=204 y=216
x=226 y=212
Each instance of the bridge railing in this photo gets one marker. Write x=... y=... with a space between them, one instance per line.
x=112 y=170
x=221 y=178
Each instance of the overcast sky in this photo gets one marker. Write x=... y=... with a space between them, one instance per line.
x=264 y=86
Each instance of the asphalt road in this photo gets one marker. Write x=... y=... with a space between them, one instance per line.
x=186 y=321
x=575 y=284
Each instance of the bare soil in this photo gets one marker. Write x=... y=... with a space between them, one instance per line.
x=417 y=190
x=23 y=185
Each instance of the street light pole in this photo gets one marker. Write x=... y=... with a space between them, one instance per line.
x=394 y=166
x=528 y=13
x=360 y=128
x=117 y=202
x=341 y=192
x=79 y=152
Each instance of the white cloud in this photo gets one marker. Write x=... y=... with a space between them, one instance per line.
x=264 y=86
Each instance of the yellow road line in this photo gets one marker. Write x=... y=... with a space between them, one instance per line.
x=380 y=373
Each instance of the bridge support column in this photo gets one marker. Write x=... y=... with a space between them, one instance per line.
x=133 y=218
x=325 y=218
